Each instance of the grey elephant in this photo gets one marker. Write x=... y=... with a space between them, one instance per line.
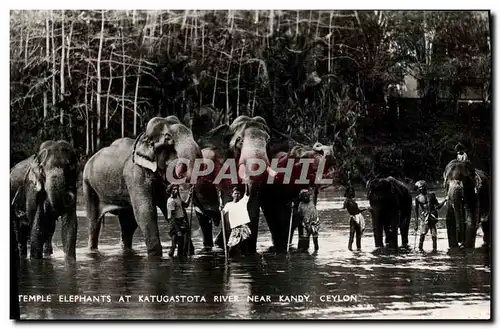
x=469 y=203
x=277 y=198
x=129 y=179
x=390 y=208
x=243 y=141
x=43 y=189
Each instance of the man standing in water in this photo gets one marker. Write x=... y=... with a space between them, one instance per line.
x=356 y=219
x=426 y=210
x=177 y=217
x=238 y=218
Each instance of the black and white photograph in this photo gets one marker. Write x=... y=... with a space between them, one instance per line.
x=250 y=164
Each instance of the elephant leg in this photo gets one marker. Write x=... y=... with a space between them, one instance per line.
x=451 y=228
x=24 y=232
x=128 y=225
x=378 y=233
x=296 y=222
x=92 y=201
x=470 y=229
x=485 y=227
x=206 y=228
x=47 y=248
x=249 y=246
x=147 y=219
x=404 y=230
x=394 y=234
x=387 y=232
x=37 y=235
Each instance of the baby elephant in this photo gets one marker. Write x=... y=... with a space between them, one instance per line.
x=308 y=221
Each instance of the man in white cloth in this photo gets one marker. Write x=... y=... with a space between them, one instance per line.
x=238 y=218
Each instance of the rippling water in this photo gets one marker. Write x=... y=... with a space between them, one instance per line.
x=338 y=284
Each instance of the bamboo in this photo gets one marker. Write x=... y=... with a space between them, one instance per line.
x=124 y=84
x=135 y=97
x=227 y=85
x=69 y=49
x=215 y=86
x=53 y=64
x=26 y=47
x=238 y=85
x=99 y=86
x=106 y=122
x=297 y=23
x=62 y=67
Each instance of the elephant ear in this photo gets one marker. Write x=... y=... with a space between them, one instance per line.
x=36 y=174
x=144 y=153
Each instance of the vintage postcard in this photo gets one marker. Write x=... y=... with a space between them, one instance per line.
x=250 y=164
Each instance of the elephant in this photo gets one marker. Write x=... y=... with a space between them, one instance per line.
x=243 y=141
x=277 y=198
x=43 y=189
x=468 y=191
x=129 y=179
x=390 y=208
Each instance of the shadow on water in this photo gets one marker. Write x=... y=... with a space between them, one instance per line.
x=334 y=283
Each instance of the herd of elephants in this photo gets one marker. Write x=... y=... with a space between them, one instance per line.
x=128 y=179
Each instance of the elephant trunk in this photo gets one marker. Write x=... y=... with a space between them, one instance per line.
x=187 y=152
x=253 y=162
x=59 y=196
x=455 y=197
x=69 y=227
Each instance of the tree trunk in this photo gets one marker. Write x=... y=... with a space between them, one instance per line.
x=238 y=84
x=87 y=130
x=26 y=47
x=91 y=122
x=227 y=85
x=47 y=60
x=62 y=68
x=136 y=94
x=297 y=23
x=53 y=63
x=68 y=51
x=45 y=104
x=124 y=83
x=271 y=23
x=215 y=86
x=99 y=87
x=109 y=89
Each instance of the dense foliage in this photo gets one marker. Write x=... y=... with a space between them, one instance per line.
x=93 y=76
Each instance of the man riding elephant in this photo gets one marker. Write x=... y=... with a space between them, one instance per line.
x=469 y=199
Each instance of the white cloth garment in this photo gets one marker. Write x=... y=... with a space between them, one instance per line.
x=360 y=220
x=237 y=212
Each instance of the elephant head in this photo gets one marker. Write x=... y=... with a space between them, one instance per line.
x=53 y=174
x=245 y=141
x=380 y=194
x=167 y=143
x=250 y=137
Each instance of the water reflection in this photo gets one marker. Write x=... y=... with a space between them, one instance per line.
x=403 y=285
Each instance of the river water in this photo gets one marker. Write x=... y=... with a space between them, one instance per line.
x=333 y=283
